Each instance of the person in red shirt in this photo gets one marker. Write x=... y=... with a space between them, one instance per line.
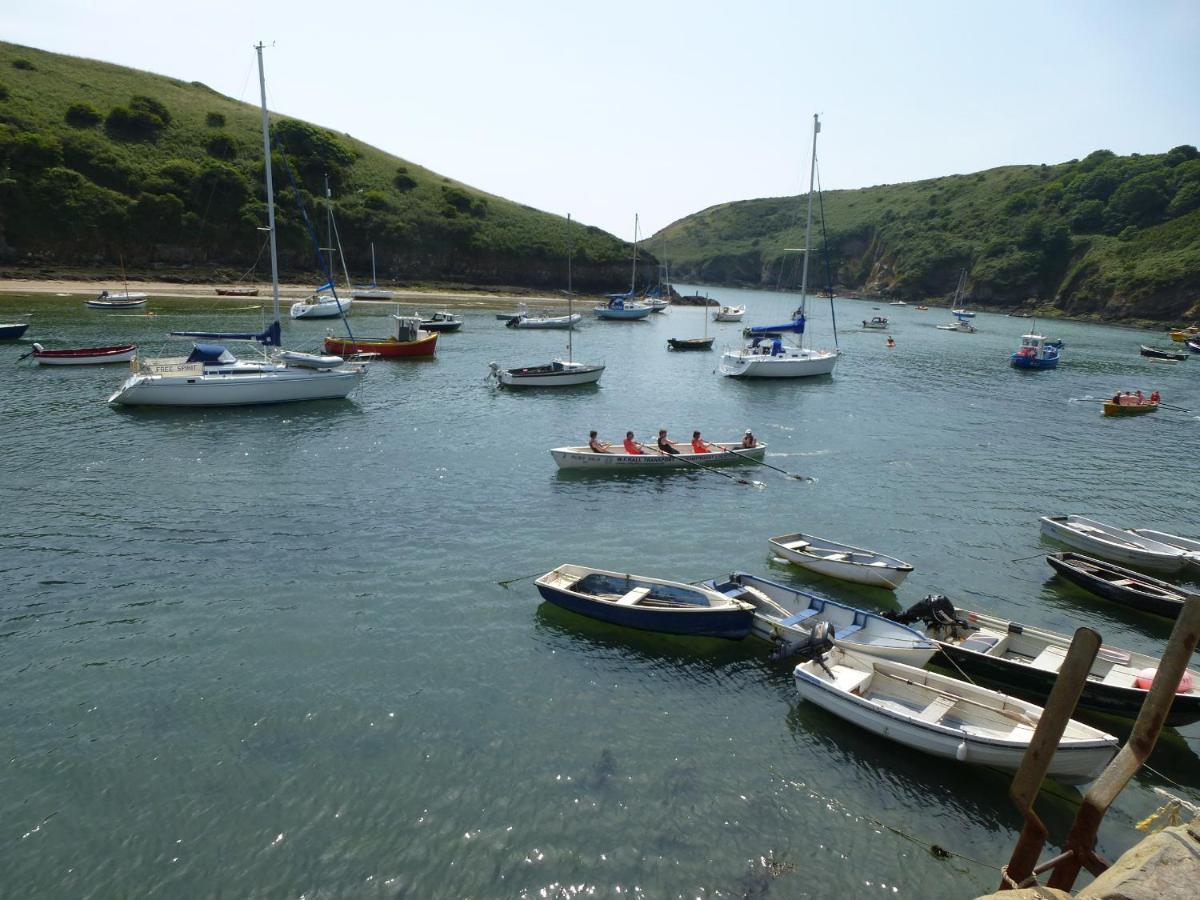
x=698 y=446
x=631 y=446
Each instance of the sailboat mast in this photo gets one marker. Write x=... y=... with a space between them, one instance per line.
x=633 y=278
x=812 y=173
x=372 y=264
x=570 y=299
x=262 y=84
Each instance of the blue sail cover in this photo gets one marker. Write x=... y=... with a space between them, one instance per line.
x=270 y=337
x=210 y=353
x=796 y=325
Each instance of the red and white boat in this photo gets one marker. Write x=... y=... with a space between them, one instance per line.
x=83 y=356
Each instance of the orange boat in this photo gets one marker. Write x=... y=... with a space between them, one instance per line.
x=1127 y=404
x=409 y=340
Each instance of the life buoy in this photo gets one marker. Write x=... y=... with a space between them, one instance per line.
x=1145 y=678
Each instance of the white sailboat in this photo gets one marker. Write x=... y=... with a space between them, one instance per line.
x=372 y=291
x=764 y=357
x=212 y=376
x=559 y=372
x=623 y=307
x=326 y=305
x=956 y=305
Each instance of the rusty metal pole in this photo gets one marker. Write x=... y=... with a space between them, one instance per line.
x=1050 y=727
x=1081 y=841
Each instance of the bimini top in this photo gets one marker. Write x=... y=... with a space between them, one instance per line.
x=210 y=353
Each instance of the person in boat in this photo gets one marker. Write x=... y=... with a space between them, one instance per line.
x=103 y=295
x=699 y=446
x=596 y=445
x=664 y=443
x=631 y=446
x=749 y=442
x=1117 y=398
x=1155 y=396
x=890 y=342
x=1141 y=400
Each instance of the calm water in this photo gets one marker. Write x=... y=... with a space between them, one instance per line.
x=264 y=652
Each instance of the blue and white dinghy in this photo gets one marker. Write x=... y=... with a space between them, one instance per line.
x=787 y=617
x=651 y=604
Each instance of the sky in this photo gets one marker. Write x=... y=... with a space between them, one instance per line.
x=662 y=108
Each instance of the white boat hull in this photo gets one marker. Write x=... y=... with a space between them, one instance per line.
x=583 y=458
x=841 y=561
x=1190 y=547
x=1113 y=544
x=324 y=309
x=629 y=311
x=794 y=362
x=372 y=294
x=282 y=384
x=122 y=357
x=569 y=375
x=1075 y=761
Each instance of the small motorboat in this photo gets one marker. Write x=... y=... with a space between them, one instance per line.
x=898 y=303
x=945 y=717
x=118 y=300
x=441 y=321
x=729 y=314
x=699 y=343
x=1193 y=345
x=559 y=373
x=922 y=308
x=1027 y=660
x=842 y=561
x=10 y=331
x=1189 y=546
x=1156 y=353
x=961 y=325
x=540 y=320
x=1020 y=315
x=620 y=308
x=651 y=604
x=1120 y=585
x=410 y=340
x=1128 y=404
x=879 y=322
x=1180 y=335
x=788 y=617
x=1112 y=543
x=321 y=306
x=1036 y=352
x=83 y=356
x=237 y=291
x=653 y=460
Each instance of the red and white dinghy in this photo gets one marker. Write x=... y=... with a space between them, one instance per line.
x=83 y=356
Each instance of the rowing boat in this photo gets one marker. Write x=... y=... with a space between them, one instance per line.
x=826 y=557
x=945 y=717
x=1119 y=584
x=651 y=604
x=1112 y=543
x=613 y=461
x=1189 y=546
x=83 y=356
x=1129 y=409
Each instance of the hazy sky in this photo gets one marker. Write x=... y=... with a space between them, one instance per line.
x=604 y=109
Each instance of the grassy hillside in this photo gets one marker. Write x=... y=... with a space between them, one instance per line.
x=1107 y=236
x=100 y=162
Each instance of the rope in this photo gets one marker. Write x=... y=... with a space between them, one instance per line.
x=1016 y=886
x=825 y=255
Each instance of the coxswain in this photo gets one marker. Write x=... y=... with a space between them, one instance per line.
x=749 y=442
x=664 y=444
x=632 y=446
x=596 y=445
x=890 y=342
x=698 y=446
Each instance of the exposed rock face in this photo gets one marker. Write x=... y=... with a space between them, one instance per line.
x=1164 y=866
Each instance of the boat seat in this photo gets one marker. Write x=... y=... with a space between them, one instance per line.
x=637 y=595
x=934 y=711
x=1122 y=582
x=796 y=545
x=1113 y=655
x=800 y=616
x=981 y=642
x=836 y=557
x=843 y=633
x=1050 y=659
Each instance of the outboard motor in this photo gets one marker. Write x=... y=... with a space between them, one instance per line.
x=936 y=611
x=818 y=642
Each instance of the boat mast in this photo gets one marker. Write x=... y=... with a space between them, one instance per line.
x=812 y=172
x=570 y=299
x=633 y=278
x=373 y=264
x=262 y=84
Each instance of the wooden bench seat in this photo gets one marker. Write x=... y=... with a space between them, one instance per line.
x=634 y=597
x=934 y=711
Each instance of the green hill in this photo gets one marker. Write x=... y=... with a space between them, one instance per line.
x=1107 y=237
x=100 y=163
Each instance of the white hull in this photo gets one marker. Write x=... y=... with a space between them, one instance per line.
x=85 y=360
x=583 y=458
x=629 y=311
x=118 y=301
x=325 y=308
x=961 y=326
x=946 y=717
x=729 y=314
x=1113 y=544
x=794 y=362
x=842 y=561
x=269 y=384
x=372 y=294
x=1190 y=547
x=565 y=375
x=546 y=321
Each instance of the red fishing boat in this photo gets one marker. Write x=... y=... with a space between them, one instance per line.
x=409 y=340
x=83 y=356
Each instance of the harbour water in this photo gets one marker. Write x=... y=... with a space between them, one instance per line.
x=264 y=652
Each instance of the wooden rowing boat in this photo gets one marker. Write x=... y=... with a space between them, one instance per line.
x=1027 y=660
x=83 y=356
x=700 y=343
x=1120 y=585
x=650 y=604
x=788 y=617
x=842 y=561
x=1112 y=543
x=1129 y=409
x=728 y=453
x=945 y=717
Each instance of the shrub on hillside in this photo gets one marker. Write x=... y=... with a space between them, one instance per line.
x=1087 y=217
x=23 y=64
x=83 y=115
x=215 y=120
x=1185 y=200
x=142 y=120
x=1180 y=154
x=222 y=147
x=3 y=91
x=1141 y=200
x=313 y=152
x=31 y=153
x=402 y=180
x=85 y=153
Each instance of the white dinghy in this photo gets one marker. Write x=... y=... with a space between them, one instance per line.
x=826 y=557
x=1189 y=546
x=1109 y=542
x=613 y=461
x=945 y=717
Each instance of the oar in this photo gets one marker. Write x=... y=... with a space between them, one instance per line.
x=698 y=466
x=1168 y=406
x=769 y=466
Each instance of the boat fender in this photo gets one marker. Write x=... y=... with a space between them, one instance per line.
x=1145 y=678
x=961 y=753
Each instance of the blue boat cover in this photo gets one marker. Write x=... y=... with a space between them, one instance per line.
x=270 y=337
x=210 y=353
x=796 y=325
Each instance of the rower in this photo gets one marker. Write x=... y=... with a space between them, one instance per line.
x=632 y=446
x=699 y=446
x=596 y=445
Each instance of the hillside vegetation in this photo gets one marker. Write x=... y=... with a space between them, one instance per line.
x=1107 y=236
x=100 y=163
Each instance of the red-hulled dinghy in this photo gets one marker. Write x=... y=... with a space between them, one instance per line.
x=83 y=356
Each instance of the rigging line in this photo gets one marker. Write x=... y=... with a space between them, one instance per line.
x=266 y=241
x=825 y=254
